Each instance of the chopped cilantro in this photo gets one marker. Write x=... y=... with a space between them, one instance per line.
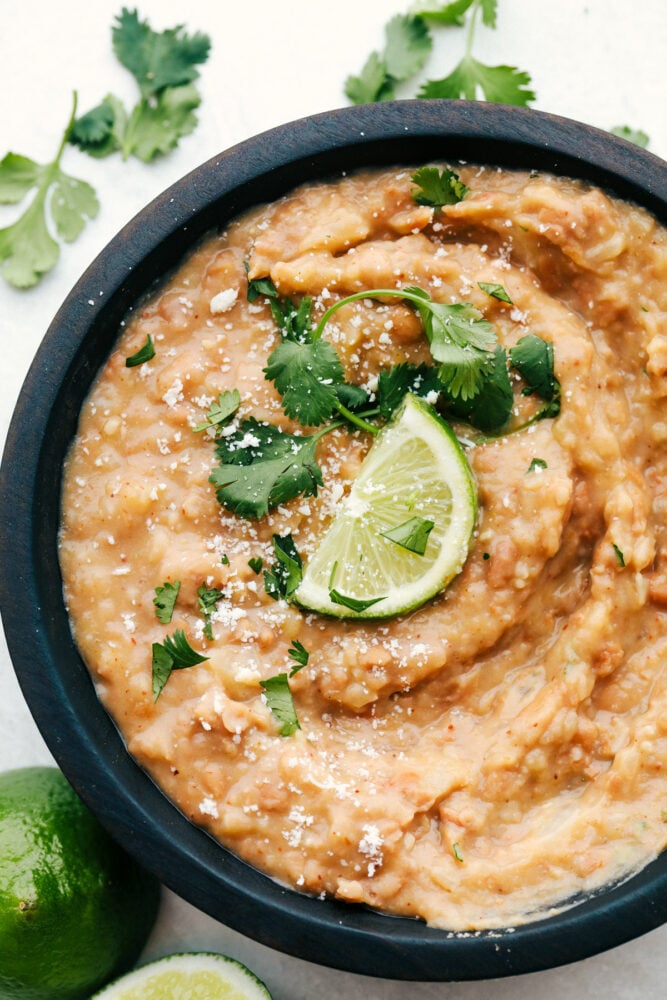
x=533 y=358
x=300 y=655
x=437 y=188
x=224 y=559
x=353 y=603
x=619 y=555
x=175 y=653
x=258 y=287
x=164 y=65
x=256 y=564
x=495 y=291
x=60 y=204
x=281 y=703
x=207 y=599
x=408 y=43
x=145 y=353
x=411 y=534
x=537 y=463
x=285 y=576
x=456 y=851
x=221 y=412
x=165 y=599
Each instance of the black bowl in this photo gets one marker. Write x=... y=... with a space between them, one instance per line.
x=56 y=684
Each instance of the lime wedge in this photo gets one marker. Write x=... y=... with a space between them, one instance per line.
x=197 y=976
x=403 y=532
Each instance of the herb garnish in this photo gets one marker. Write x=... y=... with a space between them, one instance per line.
x=537 y=463
x=495 y=291
x=353 y=603
x=208 y=598
x=619 y=555
x=165 y=599
x=145 y=353
x=27 y=248
x=300 y=655
x=285 y=576
x=175 y=653
x=262 y=466
x=411 y=534
x=164 y=65
x=220 y=413
x=438 y=188
x=281 y=704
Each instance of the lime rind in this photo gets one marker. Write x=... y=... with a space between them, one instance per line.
x=198 y=975
x=415 y=468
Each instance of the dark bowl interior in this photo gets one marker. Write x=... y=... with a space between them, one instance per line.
x=55 y=682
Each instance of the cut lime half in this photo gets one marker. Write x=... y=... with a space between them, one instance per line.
x=194 y=975
x=415 y=474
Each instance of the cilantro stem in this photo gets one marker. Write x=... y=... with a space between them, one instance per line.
x=471 y=29
x=399 y=293
x=356 y=420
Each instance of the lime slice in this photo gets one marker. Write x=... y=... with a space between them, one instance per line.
x=416 y=486
x=195 y=976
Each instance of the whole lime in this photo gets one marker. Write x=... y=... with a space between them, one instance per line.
x=75 y=909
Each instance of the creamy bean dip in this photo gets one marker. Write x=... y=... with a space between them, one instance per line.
x=489 y=757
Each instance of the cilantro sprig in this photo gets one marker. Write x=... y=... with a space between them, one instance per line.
x=175 y=653
x=61 y=204
x=164 y=65
x=408 y=44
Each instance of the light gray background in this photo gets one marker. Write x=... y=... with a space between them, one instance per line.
x=599 y=61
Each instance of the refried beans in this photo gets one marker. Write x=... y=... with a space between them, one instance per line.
x=489 y=757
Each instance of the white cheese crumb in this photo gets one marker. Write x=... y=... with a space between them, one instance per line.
x=223 y=301
x=208 y=807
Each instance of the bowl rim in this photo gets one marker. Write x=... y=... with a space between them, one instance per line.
x=81 y=736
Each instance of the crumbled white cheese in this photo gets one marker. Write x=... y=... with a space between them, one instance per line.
x=223 y=301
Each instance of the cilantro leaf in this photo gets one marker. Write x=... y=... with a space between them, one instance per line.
x=262 y=466
x=500 y=84
x=145 y=353
x=353 y=603
x=372 y=84
x=438 y=188
x=495 y=291
x=300 y=655
x=281 y=703
x=285 y=576
x=460 y=339
x=306 y=376
x=354 y=397
x=28 y=250
x=157 y=60
x=534 y=360
x=537 y=463
x=175 y=653
x=411 y=534
x=165 y=599
x=221 y=412
x=631 y=135
x=408 y=43
x=260 y=286
x=491 y=407
x=619 y=555
x=256 y=563
x=452 y=13
x=394 y=384
x=207 y=598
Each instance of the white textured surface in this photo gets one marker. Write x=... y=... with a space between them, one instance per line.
x=599 y=61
